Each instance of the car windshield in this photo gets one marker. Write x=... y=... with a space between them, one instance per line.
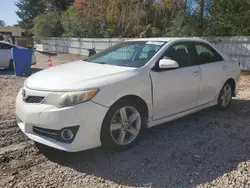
x=129 y=54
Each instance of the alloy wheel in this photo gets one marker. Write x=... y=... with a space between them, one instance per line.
x=226 y=95
x=125 y=125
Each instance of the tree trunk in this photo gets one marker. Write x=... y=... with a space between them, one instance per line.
x=201 y=9
x=202 y=5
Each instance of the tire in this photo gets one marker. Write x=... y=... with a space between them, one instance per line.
x=11 y=66
x=225 y=97
x=119 y=133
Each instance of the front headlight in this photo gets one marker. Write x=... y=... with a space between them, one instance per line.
x=65 y=99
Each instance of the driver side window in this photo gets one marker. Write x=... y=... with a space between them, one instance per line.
x=178 y=53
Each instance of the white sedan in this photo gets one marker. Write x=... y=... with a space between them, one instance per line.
x=111 y=97
x=6 y=60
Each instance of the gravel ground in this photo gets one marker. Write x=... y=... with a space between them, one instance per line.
x=208 y=149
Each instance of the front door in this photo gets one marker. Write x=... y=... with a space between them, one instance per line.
x=175 y=91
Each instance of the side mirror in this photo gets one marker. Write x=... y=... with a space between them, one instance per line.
x=168 y=64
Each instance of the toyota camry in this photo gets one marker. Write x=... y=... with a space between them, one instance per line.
x=110 y=98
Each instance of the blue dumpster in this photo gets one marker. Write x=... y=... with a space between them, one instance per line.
x=22 y=60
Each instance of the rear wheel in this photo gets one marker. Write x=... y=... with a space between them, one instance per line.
x=122 y=125
x=225 y=96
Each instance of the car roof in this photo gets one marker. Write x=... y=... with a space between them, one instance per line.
x=182 y=39
x=168 y=39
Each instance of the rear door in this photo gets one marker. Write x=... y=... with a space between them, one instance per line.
x=213 y=72
x=5 y=55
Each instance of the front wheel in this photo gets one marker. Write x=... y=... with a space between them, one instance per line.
x=225 y=96
x=122 y=125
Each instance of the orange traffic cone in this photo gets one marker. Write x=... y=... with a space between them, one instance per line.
x=49 y=62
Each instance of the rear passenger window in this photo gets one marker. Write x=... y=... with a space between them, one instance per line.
x=178 y=53
x=206 y=54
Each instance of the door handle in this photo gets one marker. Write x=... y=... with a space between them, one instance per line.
x=224 y=67
x=196 y=73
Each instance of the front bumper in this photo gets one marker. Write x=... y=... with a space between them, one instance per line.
x=88 y=116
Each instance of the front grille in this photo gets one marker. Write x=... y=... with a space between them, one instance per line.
x=45 y=132
x=33 y=99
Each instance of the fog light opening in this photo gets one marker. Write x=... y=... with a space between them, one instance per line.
x=67 y=134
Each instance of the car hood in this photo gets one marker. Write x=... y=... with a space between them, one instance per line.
x=79 y=75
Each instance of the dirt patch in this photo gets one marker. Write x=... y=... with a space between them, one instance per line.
x=208 y=149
